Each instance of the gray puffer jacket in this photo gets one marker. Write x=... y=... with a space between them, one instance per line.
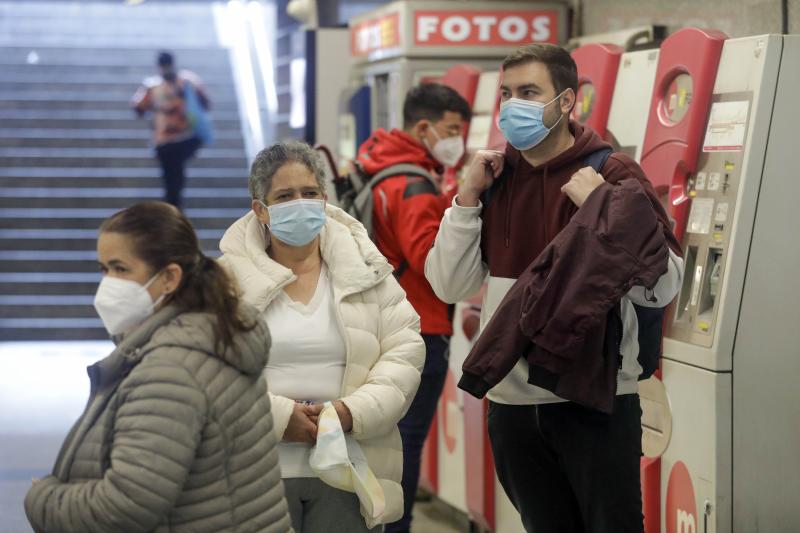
x=175 y=438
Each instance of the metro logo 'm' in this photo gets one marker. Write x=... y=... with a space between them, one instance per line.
x=681 y=508
x=468 y=28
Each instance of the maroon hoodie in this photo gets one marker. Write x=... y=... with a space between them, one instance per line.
x=540 y=210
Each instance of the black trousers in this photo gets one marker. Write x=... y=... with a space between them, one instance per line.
x=415 y=425
x=570 y=469
x=173 y=158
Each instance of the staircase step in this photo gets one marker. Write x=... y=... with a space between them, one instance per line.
x=141 y=140
x=57 y=220
x=61 y=239
x=77 y=329
x=56 y=283
x=110 y=56
x=112 y=157
x=75 y=261
x=109 y=91
x=121 y=172
x=100 y=119
x=116 y=95
x=117 y=75
x=232 y=199
x=57 y=102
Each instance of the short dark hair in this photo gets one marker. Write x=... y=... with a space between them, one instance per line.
x=165 y=59
x=430 y=101
x=560 y=65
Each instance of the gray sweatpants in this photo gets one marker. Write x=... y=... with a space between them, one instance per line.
x=319 y=508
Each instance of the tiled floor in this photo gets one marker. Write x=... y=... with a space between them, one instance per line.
x=43 y=389
x=436 y=517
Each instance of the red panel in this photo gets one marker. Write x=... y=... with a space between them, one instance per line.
x=464 y=80
x=651 y=498
x=496 y=139
x=479 y=463
x=597 y=73
x=671 y=147
x=429 y=468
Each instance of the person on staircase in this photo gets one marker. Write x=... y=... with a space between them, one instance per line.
x=176 y=140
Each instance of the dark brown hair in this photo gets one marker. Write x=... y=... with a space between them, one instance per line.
x=560 y=65
x=162 y=235
x=429 y=101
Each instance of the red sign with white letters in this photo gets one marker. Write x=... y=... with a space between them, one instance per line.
x=375 y=34
x=486 y=28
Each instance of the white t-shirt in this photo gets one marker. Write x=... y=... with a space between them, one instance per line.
x=306 y=360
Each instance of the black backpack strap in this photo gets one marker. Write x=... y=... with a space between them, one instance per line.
x=401 y=169
x=486 y=197
x=597 y=159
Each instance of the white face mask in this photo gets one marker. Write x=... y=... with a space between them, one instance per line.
x=448 y=151
x=124 y=304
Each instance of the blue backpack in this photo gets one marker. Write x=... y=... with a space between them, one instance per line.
x=198 y=117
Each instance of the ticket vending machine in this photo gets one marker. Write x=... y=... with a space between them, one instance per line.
x=678 y=107
x=598 y=65
x=630 y=103
x=731 y=349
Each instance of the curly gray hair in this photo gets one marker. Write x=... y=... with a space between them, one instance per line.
x=270 y=160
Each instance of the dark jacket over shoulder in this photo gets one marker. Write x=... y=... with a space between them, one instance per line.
x=562 y=313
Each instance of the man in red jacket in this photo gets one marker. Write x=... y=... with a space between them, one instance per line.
x=407 y=212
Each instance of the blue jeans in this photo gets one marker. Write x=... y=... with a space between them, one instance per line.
x=415 y=425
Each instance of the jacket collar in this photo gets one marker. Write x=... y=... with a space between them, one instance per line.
x=354 y=262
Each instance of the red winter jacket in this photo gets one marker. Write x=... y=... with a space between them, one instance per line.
x=408 y=210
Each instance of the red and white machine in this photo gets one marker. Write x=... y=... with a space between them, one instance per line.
x=732 y=347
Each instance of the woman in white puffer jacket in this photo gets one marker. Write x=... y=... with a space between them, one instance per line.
x=342 y=331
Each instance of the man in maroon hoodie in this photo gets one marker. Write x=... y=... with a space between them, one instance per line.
x=407 y=212
x=565 y=467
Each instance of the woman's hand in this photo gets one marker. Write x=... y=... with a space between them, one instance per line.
x=302 y=424
x=345 y=416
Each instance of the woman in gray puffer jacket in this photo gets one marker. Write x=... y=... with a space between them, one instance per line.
x=177 y=434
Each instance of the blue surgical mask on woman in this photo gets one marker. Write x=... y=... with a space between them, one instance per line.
x=522 y=122
x=298 y=222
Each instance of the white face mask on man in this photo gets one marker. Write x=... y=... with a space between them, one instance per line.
x=448 y=151
x=124 y=304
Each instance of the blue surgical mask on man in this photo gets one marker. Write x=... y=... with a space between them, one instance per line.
x=298 y=222
x=522 y=122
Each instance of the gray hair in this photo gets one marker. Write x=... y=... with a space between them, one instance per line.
x=270 y=160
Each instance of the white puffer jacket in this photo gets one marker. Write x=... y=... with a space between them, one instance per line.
x=385 y=352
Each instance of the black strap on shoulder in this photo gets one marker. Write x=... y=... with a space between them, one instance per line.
x=598 y=158
x=402 y=169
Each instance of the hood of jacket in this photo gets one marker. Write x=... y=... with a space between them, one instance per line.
x=586 y=142
x=386 y=148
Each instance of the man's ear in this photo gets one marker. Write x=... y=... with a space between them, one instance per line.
x=567 y=101
x=420 y=129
